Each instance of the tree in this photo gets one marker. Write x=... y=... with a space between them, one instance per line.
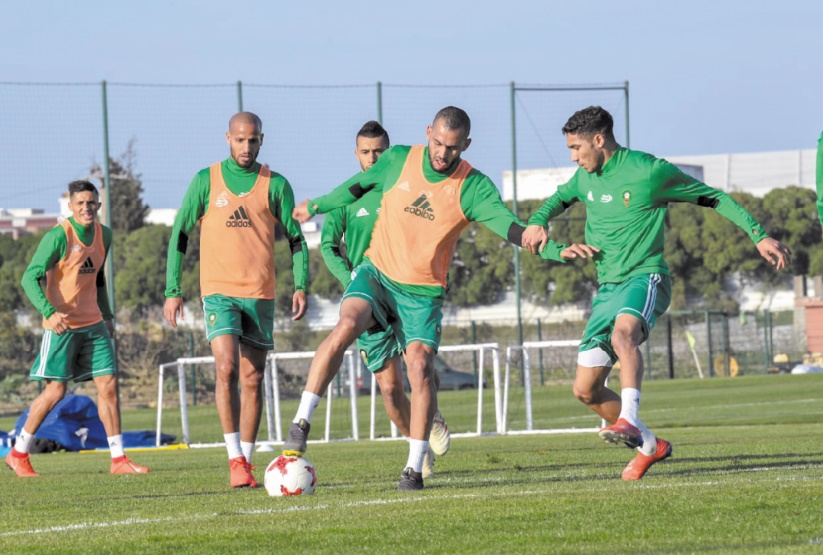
x=321 y=281
x=140 y=268
x=128 y=212
x=482 y=268
x=15 y=257
x=792 y=218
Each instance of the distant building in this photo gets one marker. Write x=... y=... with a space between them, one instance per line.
x=26 y=221
x=755 y=173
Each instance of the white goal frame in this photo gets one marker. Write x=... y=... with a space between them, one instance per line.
x=527 y=387
x=481 y=349
x=271 y=390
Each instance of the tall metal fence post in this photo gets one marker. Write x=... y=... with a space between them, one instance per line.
x=626 y=92
x=669 y=342
x=514 y=209
x=239 y=96
x=105 y=197
x=380 y=103
x=709 y=342
x=474 y=353
x=540 y=351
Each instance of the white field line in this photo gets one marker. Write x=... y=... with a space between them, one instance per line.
x=415 y=499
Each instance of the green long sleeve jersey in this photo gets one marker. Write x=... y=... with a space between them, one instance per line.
x=355 y=222
x=479 y=200
x=239 y=181
x=50 y=251
x=819 y=177
x=626 y=207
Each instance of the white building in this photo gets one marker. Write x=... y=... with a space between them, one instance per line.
x=755 y=173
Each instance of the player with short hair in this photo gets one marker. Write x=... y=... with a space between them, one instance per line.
x=78 y=325
x=379 y=349
x=238 y=202
x=429 y=195
x=626 y=193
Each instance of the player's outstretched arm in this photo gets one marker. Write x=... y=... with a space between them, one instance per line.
x=777 y=254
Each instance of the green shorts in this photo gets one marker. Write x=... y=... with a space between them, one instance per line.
x=411 y=317
x=80 y=355
x=251 y=319
x=378 y=347
x=646 y=296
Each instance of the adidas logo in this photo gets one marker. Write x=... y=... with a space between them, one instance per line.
x=361 y=213
x=239 y=218
x=404 y=186
x=88 y=267
x=422 y=208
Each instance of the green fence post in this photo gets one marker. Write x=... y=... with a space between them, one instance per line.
x=193 y=371
x=709 y=342
x=626 y=91
x=239 y=96
x=671 y=350
x=380 y=103
x=474 y=353
x=540 y=351
x=514 y=209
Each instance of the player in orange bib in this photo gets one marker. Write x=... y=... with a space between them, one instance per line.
x=78 y=325
x=238 y=202
x=429 y=195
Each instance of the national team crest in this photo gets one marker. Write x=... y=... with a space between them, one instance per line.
x=364 y=356
x=626 y=197
x=212 y=318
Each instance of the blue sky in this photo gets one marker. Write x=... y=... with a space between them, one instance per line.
x=705 y=77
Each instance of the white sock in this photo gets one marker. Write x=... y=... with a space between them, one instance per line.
x=630 y=404
x=248 y=450
x=417 y=452
x=649 y=446
x=22 y=442
x=116 y=446
x=308 y=404
x=233 y=445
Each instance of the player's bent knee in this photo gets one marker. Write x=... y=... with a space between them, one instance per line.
x=587 y=396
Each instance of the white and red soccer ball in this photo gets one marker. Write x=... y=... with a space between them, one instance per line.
x=288 y=475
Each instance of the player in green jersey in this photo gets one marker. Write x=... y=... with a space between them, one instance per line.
x=78 y=325
x=237 y=203
x=626 y=194
x=379 y=349
x=428 y=194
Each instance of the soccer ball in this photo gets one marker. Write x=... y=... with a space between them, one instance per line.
x=288 y=475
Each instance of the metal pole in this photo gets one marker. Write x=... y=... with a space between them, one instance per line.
x=626 y=91
x=474 y=353
x=540 y=351
x=105 y=198
x=514 y=209
x=671 y=353
x=239 y=96
x=709 y=341
x=380 y=103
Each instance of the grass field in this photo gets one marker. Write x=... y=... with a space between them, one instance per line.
x=746 y=476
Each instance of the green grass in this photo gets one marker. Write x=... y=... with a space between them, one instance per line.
x=746 y=476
